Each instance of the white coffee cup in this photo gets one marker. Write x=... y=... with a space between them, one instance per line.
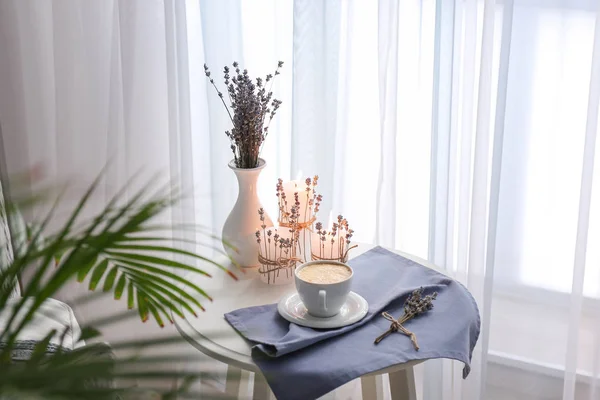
x=323 y=299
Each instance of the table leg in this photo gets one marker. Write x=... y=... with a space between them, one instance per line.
x=232 y=384
x=372 y=387
x=402 y=384
x=245 y=385
x=261 y=388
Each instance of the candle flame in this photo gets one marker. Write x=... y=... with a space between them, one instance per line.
x=330 y=219
x=299 y=175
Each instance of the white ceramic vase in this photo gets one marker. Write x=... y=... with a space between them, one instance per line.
x=243 y=221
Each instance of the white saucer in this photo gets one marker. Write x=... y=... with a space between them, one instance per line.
x=291 y=308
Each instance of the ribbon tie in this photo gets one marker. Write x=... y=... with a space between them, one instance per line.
x=395 y=323
x=274 y=266
x=396 y=326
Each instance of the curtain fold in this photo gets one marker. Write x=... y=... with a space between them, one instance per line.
x=497 y=138
x=583 y=220
x=478 y=269
x=461 y=131
x=388 y=72
x=317 y=80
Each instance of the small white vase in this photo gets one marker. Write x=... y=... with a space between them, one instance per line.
x=243 y=220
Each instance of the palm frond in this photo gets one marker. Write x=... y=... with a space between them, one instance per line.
x=119 y=252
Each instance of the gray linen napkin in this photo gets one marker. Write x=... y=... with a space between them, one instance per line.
x=305 y=363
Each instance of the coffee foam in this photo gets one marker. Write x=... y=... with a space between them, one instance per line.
x=323 y=273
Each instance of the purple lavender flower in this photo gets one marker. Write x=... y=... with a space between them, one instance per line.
x=251 y=110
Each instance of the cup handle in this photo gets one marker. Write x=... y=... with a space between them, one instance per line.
x=322 y=302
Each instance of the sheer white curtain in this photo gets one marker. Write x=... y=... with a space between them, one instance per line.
x=461 y=131
x=87 y=85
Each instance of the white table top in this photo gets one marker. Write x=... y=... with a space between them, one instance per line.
x=212 y=335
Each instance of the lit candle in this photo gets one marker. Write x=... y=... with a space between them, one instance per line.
x=300 y=194
x=332 y=243
x=276 y=242
x=277 y=251
x=330 y=221
x=301 y=201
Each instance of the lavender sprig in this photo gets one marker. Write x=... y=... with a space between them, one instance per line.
x=415 y=305
x=253 y=109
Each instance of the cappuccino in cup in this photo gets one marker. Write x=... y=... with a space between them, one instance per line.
x=323 y=286
x=324 y=273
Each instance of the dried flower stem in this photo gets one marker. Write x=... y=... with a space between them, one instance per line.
x=271 y=262
x=340 y=236
x=221 y=97
x=272 y=114
x=414 y=306
x=399 y=327
x=250 y=103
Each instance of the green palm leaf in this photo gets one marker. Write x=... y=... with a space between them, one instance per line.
x=120 y=286
x=176 y=293
x=159 y=273
x=85 y=269
x=40 y=348
x=110 y=279
x=98 y=274
x=130 y=296
x=115 y=251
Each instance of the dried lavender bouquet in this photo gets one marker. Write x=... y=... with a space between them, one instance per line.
x=253 y=108
x=414 y=306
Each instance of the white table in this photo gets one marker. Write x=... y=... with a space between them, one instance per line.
x=212 y=335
